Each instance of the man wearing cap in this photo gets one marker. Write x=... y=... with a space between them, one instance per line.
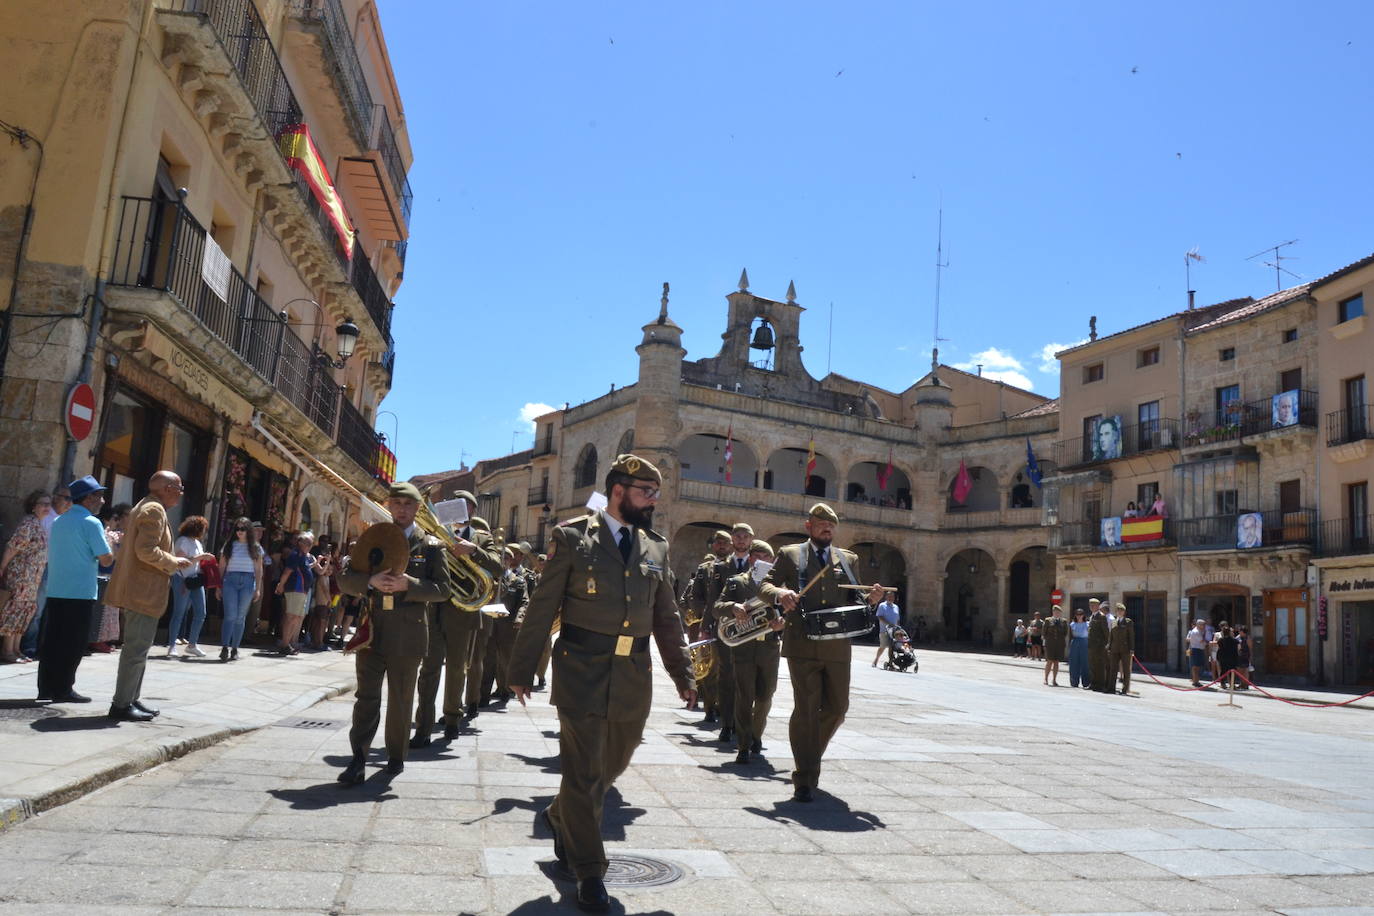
x=1120 y=650
x=697 y=612
x=755 y=662
x=737 y=561
x=819 y=668
x=609 y=578
x=514 y=594
x=76 y=549
x=400 y=636
x=1099 y=632
x=1055 y=635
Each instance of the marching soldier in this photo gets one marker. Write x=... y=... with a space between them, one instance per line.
x=472 y=688
x=516 y=587
x=1098 y=637
x=1120 y=651
x=694 y=598
x=741 y=536
x=400 y=636
x=608 y=576
x=819 y=668
x=452 y=631
x=756 y=661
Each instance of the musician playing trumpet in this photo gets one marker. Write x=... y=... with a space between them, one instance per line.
x=819 y=667
x=755 y=661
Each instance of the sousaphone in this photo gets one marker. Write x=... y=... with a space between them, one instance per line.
x=381 y=548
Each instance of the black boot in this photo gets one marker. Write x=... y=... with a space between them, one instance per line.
x=354 y=773
x=727 y=734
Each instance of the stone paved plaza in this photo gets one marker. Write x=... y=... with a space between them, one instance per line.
x=966 y=788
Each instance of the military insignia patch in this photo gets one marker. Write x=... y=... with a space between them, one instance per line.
x=632 y=466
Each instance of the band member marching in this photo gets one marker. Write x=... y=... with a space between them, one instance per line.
x=819 y=668
x=755 y=661
x=741 y=536
x=698 y=614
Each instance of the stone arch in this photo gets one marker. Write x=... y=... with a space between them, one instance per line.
x=785 y=472
x=862 y=485
x=969 y=606
x=701 y=456
x=1030 y=579
x=584 y=471
x=307 y=516
x=627 y=442
x=882 y=562
x=984 y=496
x=1021 y=492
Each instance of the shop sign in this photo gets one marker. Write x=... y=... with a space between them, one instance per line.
x=1348 y=637
x=1351 y=580
x=1321 y=618
x=1218 y=578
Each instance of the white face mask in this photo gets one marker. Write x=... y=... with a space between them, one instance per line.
x=760 y=571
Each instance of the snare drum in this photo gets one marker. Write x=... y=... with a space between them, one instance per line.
x=839 y=622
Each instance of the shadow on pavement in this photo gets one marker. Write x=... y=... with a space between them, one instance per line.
x=533 y=805
x=545 y=764
x=332 y=794
x=23 y=704
x=62 y=723
x=826 y=813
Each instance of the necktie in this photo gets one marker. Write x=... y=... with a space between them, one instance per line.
x=625 y=543
x=739 y=565
x=822 y=558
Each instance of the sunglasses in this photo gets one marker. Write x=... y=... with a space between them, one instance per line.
x=649 y=491
x=240 y=529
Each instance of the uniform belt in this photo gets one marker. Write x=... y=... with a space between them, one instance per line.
x=598 y=642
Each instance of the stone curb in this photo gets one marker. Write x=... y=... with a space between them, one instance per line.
x=15 y=811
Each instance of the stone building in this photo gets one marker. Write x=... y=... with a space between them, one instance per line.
x=203 y=217
x=968 y=568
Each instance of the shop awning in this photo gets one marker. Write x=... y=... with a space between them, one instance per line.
x=370 y=512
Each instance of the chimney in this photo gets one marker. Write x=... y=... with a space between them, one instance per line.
x=1192 y=294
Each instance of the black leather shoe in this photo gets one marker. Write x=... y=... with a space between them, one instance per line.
x=420 y=741
x=395 y=765
x=71 y=696
x=756 y=746
x=150 y=710
x=128 y=714
x=711 y=716
x=224 y=653
x=354 y=773
x=539 y=684
x=802 y=794
x=727 y=734
x=742 y=758
x=451 y=731
x=592 y=896
x=471 y=711
x=559 y=852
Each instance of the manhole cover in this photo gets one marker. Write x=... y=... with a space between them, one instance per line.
x=29 y=713
x=638 y=871
x=308 y=723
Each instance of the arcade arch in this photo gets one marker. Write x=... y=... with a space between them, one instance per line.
x=786 y=473
x=864 y=485
x=702 y=457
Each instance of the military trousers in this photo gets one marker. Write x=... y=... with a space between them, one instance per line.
x=725 y=684
x=451 y=634
x=1119 y=663
x=756 y=678
x=594 y=751
x=398 y=673
x=497 y=660
x=472 y=690
x=820 y=696
x=1098 y=671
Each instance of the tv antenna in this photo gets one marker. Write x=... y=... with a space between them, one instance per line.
x=1277 y=262
x=940 y=265
x=1191 y=255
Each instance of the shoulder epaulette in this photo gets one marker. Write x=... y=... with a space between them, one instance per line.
x=579 y=520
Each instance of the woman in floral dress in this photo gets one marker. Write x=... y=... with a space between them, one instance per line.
x=21 y=570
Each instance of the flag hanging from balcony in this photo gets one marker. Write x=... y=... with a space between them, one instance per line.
x=810 y=464
x=1032 y=466
x=385 y=469
x=963 y=483
x=301 y=155
x=729 y=453
x=1135 y=530
x=885 y=474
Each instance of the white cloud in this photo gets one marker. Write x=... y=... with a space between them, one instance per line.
x=1048 y=364
x=532 y=410
x=999 y=366
x=1011 y=377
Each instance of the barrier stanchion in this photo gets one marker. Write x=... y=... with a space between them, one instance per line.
x=1230 y=678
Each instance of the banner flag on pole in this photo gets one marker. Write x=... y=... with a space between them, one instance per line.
x=963 y=483
x=810 y=463
x=1032 y=466
x=885 y=474
x=729 y=453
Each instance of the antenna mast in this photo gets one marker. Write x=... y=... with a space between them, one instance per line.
x=940 y=265
x=1277 y=263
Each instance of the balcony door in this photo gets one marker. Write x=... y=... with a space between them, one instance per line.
x=1147 y=426
x=1285 y=620
x=1357 y=511
x=1353 y=394
x=1225 y=397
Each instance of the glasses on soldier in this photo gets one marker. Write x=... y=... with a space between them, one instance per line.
x=649 y=490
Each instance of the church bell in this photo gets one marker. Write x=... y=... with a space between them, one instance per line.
x=763 y=337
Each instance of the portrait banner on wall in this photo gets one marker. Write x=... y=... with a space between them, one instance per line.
x=1285 y=409
x=1106 y=442
x=1249 y=530
x=1111 y=532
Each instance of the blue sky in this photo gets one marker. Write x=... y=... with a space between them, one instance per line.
x=570 y=158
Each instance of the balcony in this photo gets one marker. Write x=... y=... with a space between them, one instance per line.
x=377 y=181
x=342 y=62
x=1086 y=536
x=160 y=246
x=959 y=519
x=1250 y=419
x=1343 y=537
x=357 y=439
x=1297 y=528
x=1135 y=439
x=543 y=445
x=540 y=496
x=1348 y=426
x=370 y=291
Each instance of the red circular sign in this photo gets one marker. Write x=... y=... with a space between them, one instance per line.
x=80 y=413
x=1057 y=596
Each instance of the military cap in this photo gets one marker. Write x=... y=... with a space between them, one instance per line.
x=1094 y=600
x=478 y=522
x=543 y=557
x=761 y=545
x=524 y=547
x=1120 y=606
x=404 y=489
x=636 y=467
x=721 y=535
x=509 y=551
x=1056 y=607
x=743 y=526
x=824 y=513
x=464 y=494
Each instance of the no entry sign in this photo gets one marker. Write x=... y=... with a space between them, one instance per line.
x=1057 y=596
x=80 y=412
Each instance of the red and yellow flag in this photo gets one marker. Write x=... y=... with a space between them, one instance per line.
x=302 y=156
x=1149 y=528
x=810 y=463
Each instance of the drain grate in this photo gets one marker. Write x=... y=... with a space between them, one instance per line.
x=638 y=871
x=308 y=723
x=28 y=713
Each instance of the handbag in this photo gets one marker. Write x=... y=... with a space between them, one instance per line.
x=193 y=582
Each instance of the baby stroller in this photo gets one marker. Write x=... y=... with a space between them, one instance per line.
x=900 y=655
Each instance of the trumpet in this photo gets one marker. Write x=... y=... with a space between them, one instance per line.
x=472 y=587
x=758 y=621
x=702 y=658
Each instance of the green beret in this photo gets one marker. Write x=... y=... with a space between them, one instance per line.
x=761 y=546
x=464 y=494
x=741 y=526
x=636 y=467
x=720 y=535
x=478 y=522
x=524 y=547
x=824 y=513
x=404 y=489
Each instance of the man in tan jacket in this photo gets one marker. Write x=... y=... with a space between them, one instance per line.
x=138 y=585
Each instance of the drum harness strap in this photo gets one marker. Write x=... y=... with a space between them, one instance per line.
x=801 y=566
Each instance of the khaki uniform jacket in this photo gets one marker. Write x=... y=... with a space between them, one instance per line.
x=145 y=562
x=697 y=589
x=592 y=587
x=1056 y=634
x=1097 y=631
x=1122 y=636
x=720 y=573
x=824 y=594
x=403 y=631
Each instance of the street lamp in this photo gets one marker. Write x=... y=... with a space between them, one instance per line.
x=346 y=336
x=395 y=429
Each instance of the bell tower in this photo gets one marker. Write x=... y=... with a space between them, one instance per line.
x=762 y=330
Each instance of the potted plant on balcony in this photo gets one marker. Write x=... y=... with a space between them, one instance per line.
x=1193 y=434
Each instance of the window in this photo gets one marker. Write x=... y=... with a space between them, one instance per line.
x=1227 y=354
x=1290 y=335
x=1228 y=405
x=1349 y=309
x=1147 y=357
x=1089 y=432
x=1092 y=373
x=1355 y=426
x=1290 y=379
x=584 y=473
x=1290 y=496
x=1147 y=425
x=1225 y=502
x=1145 y=494
x=1357 y=509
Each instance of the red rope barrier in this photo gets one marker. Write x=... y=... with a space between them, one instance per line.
x=1170 y=686
x=1258 y=689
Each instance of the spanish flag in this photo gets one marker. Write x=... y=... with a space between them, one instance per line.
x=810 y=463
x=1148 y=528
x=299 y=150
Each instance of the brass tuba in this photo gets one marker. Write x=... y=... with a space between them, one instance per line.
x=471 y=586
x=733 y=633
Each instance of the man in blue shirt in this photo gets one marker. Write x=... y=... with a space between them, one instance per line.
x=76 y=549
x=889 y=616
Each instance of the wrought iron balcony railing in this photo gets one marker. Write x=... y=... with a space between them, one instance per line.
x=1236 y=531
x=1110 y=443
x=1350 y=425
x=384 y=142
x=342 y=56
x=539 y=495
x=1343 y=537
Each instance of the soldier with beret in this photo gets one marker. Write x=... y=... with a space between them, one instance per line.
x=472 y=688
x=741 y=536
x=1099 y=635
x=697 y=611
x=1120 y=650
x=452 y=632
x=400 y=636
x=819 y=668
x=608 y=577
x=755 y=662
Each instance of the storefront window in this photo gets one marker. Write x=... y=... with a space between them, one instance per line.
x=127 y=457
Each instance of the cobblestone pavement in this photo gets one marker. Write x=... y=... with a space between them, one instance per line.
x=966 y=788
